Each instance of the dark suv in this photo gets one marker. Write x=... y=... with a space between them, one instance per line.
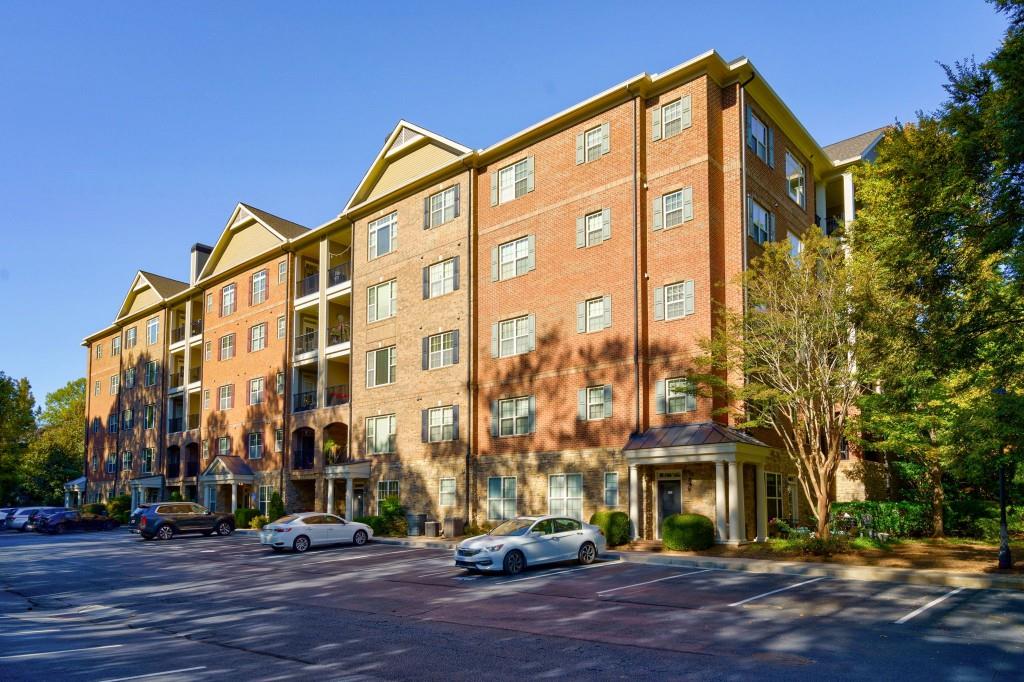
x=72 y=519
x=164 y=520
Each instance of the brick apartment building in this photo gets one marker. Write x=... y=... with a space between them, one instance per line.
x=484 y=333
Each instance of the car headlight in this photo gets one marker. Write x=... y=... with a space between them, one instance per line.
x=494 y=548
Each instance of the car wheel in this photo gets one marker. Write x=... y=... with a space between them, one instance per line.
x=165 y=532
x=359 y=538
x=224 y=528
x=514 y=563
x=587 y=553
x=301 y=544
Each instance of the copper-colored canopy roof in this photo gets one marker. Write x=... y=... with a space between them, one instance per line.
x=682 y=435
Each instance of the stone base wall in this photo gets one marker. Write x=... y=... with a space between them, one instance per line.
x=859 y=480
x=419 y=483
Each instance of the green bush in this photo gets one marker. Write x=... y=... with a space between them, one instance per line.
x=275 y=509
x=95 y=508
x=980 y=519
x=392 y=514
x=834 y=544
x=376 y=523
x=898 y=519
x=777 y=528
x=614 y=525
x=687 y=531
x=175 y=497
x=122 y=517
x=121 y=503
x=258 y=522
x=244 y=516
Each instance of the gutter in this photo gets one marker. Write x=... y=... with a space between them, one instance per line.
x=471 y=326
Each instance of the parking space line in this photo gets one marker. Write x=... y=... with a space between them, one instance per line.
x=648 y=582
x=568 y=570
x=162 y=672
x=781 y=589
x=918 y=611
x=60 y=652
x=28 y=632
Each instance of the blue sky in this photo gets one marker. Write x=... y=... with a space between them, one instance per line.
x=130 y=130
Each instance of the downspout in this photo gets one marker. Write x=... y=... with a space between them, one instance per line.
x=636 y=265
x=743 y=175
x=88 y=402
x=470 y=364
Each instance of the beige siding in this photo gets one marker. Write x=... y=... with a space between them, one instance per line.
x=141 y=300
x=242 y=245
x=410 y=165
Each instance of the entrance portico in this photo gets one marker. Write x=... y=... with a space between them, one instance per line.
x=224 y=471
x=74 y=492
x=354 y=475
x=145 y=489
x=704 y=468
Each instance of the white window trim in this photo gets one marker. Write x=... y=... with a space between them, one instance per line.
x=373 y=308
x=516 y=338
x=565 y=499
x=392 y=424
x=607 y=489
x=371 y=364
x=444 y=411
x=516 y=260
x=389 y=222
x=503 y=500
x=441 y=492
x=442 y=352
x=515 y=416
x=689 y=399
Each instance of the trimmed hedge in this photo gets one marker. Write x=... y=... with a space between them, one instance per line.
x=95 y=508
x=243 y=517
x=614 y=525
x=258 y=522
x=119 y=504
x=687 y=531
x=898 y=519
x=275 y=509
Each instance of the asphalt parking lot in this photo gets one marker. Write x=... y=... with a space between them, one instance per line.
x=109 y=606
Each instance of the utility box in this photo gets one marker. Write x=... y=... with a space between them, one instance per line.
x=431 y=529
x=454 y=527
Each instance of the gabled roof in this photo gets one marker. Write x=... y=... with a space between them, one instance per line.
x=232 y=465
x=151 y=289
x=405 y=139
x=272 y=230
x=854 y=148
x=681 y=435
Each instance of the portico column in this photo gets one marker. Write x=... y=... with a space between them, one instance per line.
x=234 y=497
x=330 y=495
x=634 y=502
x=848 y=205
x=737 y=523
x=348 y=497
x=720 y=502
x=820 y=209
x=762 y=504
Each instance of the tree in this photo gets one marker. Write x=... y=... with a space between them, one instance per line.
x=17 y=424
x=787 y=362
x=57 y=452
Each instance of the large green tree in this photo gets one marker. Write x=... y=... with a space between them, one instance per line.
x=17 y=426
x=57 y=453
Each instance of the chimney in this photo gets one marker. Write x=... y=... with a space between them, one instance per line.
x=200 y=253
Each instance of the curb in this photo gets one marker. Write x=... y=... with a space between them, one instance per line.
x=425 y=544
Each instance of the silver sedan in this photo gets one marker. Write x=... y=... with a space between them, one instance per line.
x=529 y=541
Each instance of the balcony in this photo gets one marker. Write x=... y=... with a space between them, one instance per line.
x=195 y=374
x=178 y=334
x=339 y=456
x=303 y=402
x=197 y=327
x=339 y=274
x=336 y=395
x=303 y=459
x=305 y=343
x=177 y=378
x=192 y=467
x=173 y=467
x=193 y=421
x=307 y=285
x=175 y=425
x=339 y=333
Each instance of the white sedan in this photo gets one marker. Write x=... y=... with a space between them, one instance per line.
x=301 y=531
x=528 y=541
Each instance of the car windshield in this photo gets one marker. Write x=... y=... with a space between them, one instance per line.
x=513 y=527
x=288 y=519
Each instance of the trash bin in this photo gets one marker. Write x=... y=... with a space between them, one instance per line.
x=453 y=527
x=416 y=522
x=431 y=529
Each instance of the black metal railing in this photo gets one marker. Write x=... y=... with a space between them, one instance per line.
x=175 y=425
x=197 y=327
x=303 y=459
x=339 y=456
x=308 y=285
x=336 y=395
x=177 y=378
x=193 y=421
x=173 y=466
x=178 y=334
x=302 y=402
x=192 y=467
x=339 y=274
x=195 y=374
x=305 y=343
x=339 y=333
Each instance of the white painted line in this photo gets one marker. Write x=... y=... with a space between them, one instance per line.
x=781 y=589
x=568 y=570
x=28 y=632
x=447 y=570
x=163 y=672
x=671 y=577
x=61 y=652
x=933 y=602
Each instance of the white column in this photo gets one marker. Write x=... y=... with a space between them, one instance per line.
x=821 y=203
x=737 y=523
x=720 y=502
x=321 y=329
x=234 y=497
x=330 y=495
x=762 y=504
x=634 y=501
x=67 y=498
x=848 y=209
x=349 y=498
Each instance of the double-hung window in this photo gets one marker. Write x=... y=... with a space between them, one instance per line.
x=258 y=337
x=514 y=336
x=678 y=207
x=678 y=300
x=256 y=391
x=129 y=378
x=147 y=460
x=282 y=272
x=115 y=346
x=152 y=372
x=112 y=422
x=224 y=445
x=115 y=384
x=255 y=445
x=565 y=495
x=514 y=416
x=440 y=424
x=152 y=331
x=382 y=301
x=514 y=258
x=99 y=351
x=796 y=179
x=441 y=350
x=259 y=287
x=762 y=223
x=385 y=489
x=227 y=300
x=97 y=387
x=595 y=314
x=442 y=207
x=227 y=346
x=111 y=464
x=208 y=351
x=671 y=118
x=127 y=419
x=226 y=397
x=280 y=327
x=278 y=440
x=380 y=434
x=130 y=338
x=514 y=181
x=594 y=402
x=280 y=383
x=440 y=278
x=206 y=398
x=149 y=416
x=446 y=496
x=680 y=395
x=796 y=246
x=126 y=460
x=773 y=494
x=266 y=492
x=595 y=228
x=759 y=137
x=501 y=498
x=209 y=303
x=380 y=367
x=611 y=489
x=383 y=235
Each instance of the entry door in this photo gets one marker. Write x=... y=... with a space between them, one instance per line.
x=669 y=499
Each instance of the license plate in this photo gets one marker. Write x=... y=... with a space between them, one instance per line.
x=266 y=538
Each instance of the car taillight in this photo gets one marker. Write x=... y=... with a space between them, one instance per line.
x=142 y=522
x=282 y=530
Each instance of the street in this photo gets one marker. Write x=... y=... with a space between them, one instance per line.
x=109 y=606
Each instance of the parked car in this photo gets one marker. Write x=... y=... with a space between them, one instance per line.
x=3 y=515
x=72 y=519
x=133 y=520
x=34 y=517
x=299 y=532
x=164 y=520
x=529 y=541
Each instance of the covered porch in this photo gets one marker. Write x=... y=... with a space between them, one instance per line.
x=704 y=468
x=226 y=481
x=146 y=489
x=74 y=492
x=349 y=482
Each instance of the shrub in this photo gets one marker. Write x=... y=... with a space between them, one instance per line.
x=687 y=531
x=376 y=523
x=95 y=508
x=777 y=528
x=614 y=525
x=258 y=522
x=275 y=509
x=122 y=517
x=243 y=517
x=121 y=503
x=898 y=519
x=175 y=497
x=834 y=544
x=392 y=515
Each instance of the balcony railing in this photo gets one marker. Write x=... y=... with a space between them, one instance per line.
x=173 y=468
x=177 y=378
x=339 y=274
x=339 y=456
x=197 y=327
x=178 y=334
x=303 y=459
x=193 y=421
x=336 y=395
x=304 y=401
x=339 y=333
x=308 y=285
x=195 y=374
x=305 y=343
x=192 y=467
x=175 y=425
